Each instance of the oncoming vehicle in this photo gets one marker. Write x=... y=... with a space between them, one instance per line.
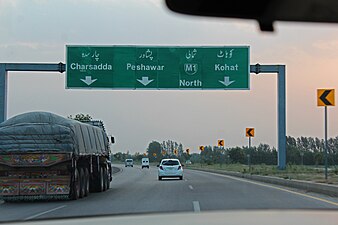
x=145 y=163
x=129 y=162
x=170 y=168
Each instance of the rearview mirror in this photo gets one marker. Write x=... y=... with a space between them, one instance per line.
x=112 y=139
x=265 y=12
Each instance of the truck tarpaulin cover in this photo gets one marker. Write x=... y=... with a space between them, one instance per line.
x=47 y=132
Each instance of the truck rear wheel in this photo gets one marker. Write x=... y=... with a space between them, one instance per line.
x=96 y=182
x=82 y=183
x=106 y=178
x=102 y=183
x=86 y=181
x=75 y=186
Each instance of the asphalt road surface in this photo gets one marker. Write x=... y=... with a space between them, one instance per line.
x=136 y=190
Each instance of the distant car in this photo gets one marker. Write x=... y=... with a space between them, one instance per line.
x=129 y=162
x=145 y=163
x=170 y=168
x=188 y=162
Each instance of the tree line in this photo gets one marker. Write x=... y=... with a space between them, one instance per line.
x=300 y=151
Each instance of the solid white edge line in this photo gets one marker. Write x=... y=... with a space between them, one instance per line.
x=45 y=212
x=196 y=206
x=274 y=187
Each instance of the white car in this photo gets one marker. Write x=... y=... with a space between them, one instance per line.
x=129 y=162
x=170 y=168
x=145 y=163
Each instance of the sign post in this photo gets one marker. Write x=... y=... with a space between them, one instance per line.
x=325 y=97
x=325 y=136
x=249 y=132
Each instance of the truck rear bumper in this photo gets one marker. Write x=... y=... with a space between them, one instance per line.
x=34 y=187
x=17 y=198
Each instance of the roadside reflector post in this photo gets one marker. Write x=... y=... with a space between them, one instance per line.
x=249 y=163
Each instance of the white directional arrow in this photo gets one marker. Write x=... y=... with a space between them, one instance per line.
x=88 y=80
x=145 y=81
x=226 y=81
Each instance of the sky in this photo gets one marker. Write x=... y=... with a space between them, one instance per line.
x=38 y=31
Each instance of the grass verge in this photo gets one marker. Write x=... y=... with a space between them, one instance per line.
x=296 y=172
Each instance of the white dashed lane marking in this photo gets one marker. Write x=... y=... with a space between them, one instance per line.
x=45 y=212
x=196 y=206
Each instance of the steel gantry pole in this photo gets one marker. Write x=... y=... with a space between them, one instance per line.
x=281 y=106
x=3 y=93
x=6 y=67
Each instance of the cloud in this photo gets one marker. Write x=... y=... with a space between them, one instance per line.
x=30 y=45
x=331 y=45
x=5 y=4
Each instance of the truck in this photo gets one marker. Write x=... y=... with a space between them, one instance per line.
x=46 y=156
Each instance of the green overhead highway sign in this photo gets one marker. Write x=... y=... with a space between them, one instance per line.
x=158 y=67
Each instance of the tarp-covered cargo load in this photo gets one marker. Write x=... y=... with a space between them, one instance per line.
x=47 y=132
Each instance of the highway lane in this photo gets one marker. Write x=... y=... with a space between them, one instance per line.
x=134 y=190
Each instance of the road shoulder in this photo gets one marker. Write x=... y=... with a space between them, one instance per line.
x=326 y=189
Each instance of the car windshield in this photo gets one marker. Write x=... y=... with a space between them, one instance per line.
x=126 y=107
x=170 y=163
